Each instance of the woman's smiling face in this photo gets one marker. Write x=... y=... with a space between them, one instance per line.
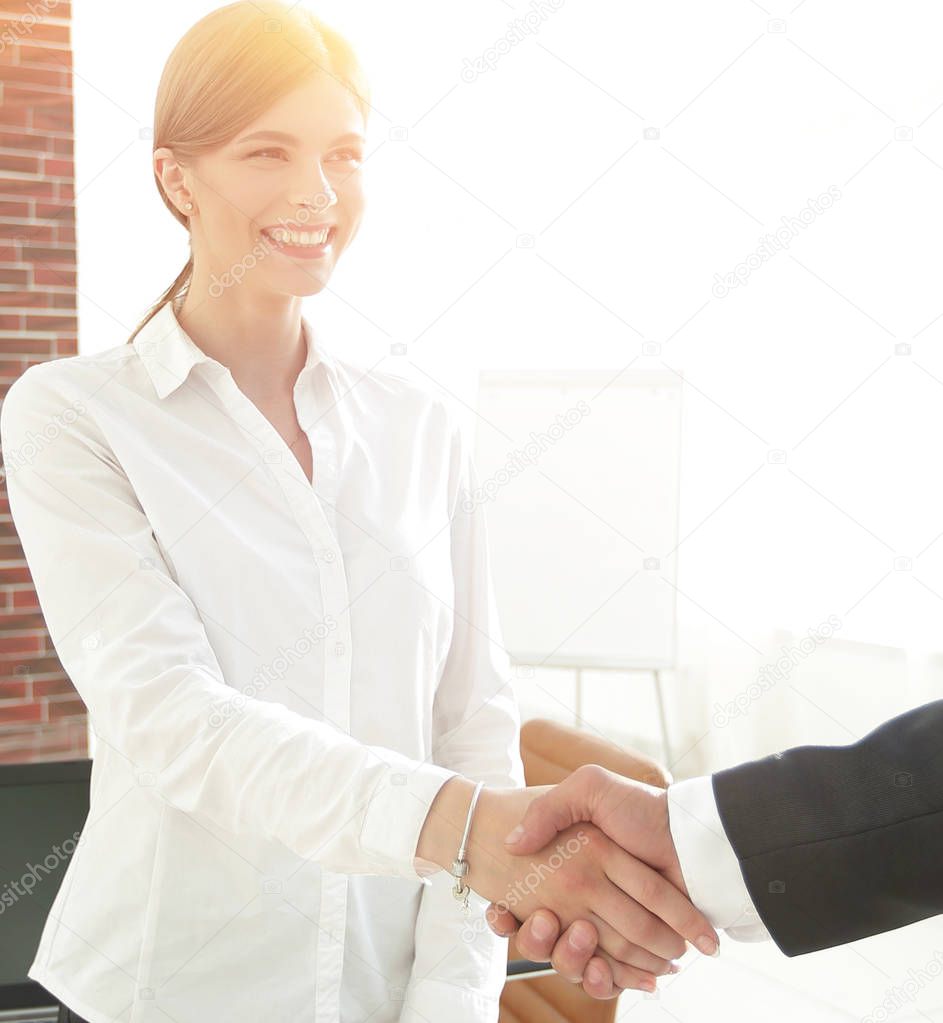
x=307 y=146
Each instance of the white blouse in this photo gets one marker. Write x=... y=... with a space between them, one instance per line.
x=279 y=676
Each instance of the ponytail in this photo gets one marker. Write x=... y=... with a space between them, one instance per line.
x=178 y=287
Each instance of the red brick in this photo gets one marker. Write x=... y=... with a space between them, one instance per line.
x=14 y=117
x=24 y=600
x=59 y=707
x=56 y=117
x=36 y=96
x=33 y=189
x=65 y=254
x=29 y=234
x=19 y=163
x=59 y=212
x=25 y=140
x=54 y=322
x=58 y=168
x=14 y=575
x=18 y=755
x=10 y=209
x=15 y=667
x=25 y=298
x=58 y=277
x=41 y=32
x=25 y=346
x=20 y=644
x=52 y=687
x=32 y=76
x=13 y=551
x=16 y=713
x=45 y=54
x=24 y=622
x=15 y=690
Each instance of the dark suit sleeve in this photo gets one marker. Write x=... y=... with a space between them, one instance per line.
x=839 y=842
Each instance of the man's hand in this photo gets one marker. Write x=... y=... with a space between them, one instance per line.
x=635 y=816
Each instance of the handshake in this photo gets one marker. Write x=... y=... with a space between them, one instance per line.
x=588 y=867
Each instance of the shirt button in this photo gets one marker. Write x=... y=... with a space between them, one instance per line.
x=327 y=554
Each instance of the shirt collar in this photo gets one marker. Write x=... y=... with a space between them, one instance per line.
x=169 y=353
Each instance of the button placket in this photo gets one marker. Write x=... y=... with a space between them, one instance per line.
x=319 y=522
x=318 y=525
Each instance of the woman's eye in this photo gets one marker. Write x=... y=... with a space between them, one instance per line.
x=346 y=154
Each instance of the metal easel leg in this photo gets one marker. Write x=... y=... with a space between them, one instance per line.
x=579 y=698
x=663 y=719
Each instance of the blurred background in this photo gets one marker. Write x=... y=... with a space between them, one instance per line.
x=715 y=225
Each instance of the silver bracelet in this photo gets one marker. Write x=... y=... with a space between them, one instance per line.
x=460 y=865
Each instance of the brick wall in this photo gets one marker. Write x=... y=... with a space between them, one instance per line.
x=41 y=716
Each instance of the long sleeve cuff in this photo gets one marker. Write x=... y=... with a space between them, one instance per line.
x=396 y=813
x=709 y=864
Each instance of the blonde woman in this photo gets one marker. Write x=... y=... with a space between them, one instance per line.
x=263 y=568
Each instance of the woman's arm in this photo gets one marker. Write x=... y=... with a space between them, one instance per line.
x=135 y=647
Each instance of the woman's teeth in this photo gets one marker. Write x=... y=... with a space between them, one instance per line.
x=285 y=237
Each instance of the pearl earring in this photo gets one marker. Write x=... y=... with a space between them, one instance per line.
x=189 y=205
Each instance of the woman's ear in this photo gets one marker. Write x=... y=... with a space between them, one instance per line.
x=171 y=176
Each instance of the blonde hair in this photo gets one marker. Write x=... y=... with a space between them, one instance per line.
x=227 y=70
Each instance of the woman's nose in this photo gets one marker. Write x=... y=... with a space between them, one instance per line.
x=318 y=192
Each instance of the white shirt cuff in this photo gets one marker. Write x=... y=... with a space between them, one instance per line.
x=709 y=864
x=395 y=814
